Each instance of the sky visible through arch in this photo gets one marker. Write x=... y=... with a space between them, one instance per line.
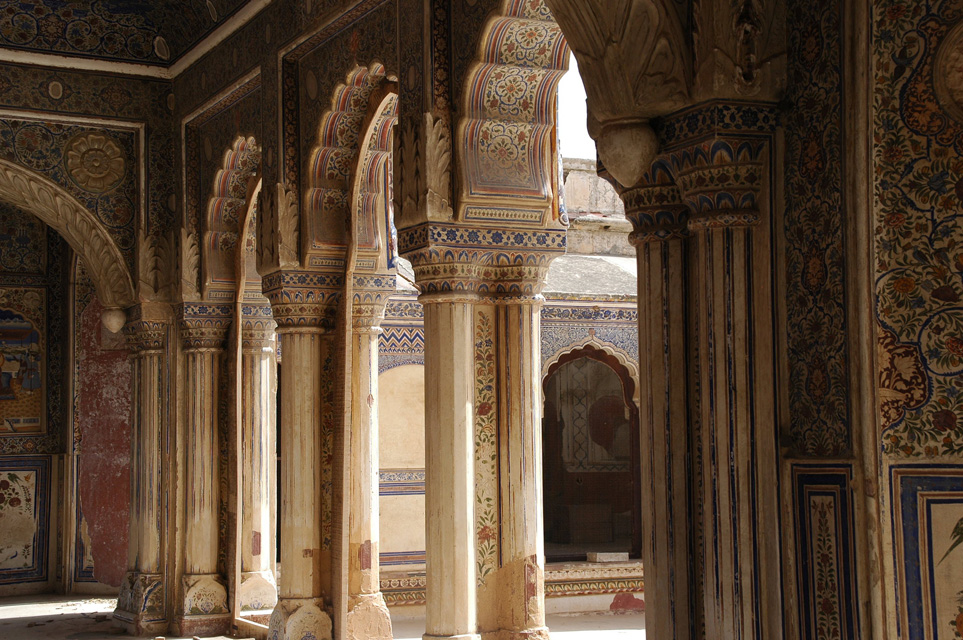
x=573 y=136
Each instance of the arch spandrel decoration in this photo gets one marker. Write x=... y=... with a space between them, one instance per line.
x=508 y=143
x=589 y=344
x=335 y=161
x=35 y=194
x=225 y=211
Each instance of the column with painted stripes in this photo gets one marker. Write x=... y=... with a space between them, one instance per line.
x=722 y=158
x=658 y=219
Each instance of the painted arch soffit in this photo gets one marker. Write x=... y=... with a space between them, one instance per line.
x=507 y=144
x=31 y=192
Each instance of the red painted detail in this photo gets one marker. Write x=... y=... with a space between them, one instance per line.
x=627 y=602
x=364 y=555
x=256 y=543
x=103 y=420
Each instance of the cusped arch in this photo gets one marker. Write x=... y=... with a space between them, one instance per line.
x=337 y=162
x=226 y=209
x=508 y=141
x=51 y=203
x=592 y=343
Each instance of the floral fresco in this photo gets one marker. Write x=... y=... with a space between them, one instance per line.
x=919 y=258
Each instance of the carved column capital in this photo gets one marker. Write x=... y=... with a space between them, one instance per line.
x=146 y=328
x=258 y=328
x=370 y=294
x=304 y=301
x=453 y=259
x=718 y=154
x=204 y=326
x=656 y=212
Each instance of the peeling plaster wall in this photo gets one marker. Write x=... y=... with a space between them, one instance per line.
x=103 y=424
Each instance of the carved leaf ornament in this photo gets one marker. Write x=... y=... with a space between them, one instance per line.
x=35 y=194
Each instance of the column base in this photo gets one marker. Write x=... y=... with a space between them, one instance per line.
x=368 y=618
x=140 y=604
x=205 y=608
x=258 y=591
x=464 y=636
x=536 y=633
x=300 y=619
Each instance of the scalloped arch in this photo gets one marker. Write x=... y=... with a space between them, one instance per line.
x=507 y=134
x=56 y=207
x=337 y=158
x=225 y=210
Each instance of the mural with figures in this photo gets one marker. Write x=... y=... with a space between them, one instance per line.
x=21 y=371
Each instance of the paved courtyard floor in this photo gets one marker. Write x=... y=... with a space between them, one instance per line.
x=50 y=617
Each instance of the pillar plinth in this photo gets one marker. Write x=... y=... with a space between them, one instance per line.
x=141 y=603
x=258 y=588
x=203 y=608
x=368 y=615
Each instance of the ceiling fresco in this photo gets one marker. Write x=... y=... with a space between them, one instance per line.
x=145 y=31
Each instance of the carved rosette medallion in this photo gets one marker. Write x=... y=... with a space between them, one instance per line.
x=95 y=162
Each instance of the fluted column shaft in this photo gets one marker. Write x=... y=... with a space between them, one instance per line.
x=201 y=375
x=141 y=602
x=449 y=468
x=258 y=373
x=518 y=375
x=663 y=405
x=722 y=169
x=203 y=608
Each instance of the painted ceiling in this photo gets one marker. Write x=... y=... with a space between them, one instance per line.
x=146 y=31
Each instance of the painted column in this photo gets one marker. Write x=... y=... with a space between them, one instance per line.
x=141 y=603
x=659 y=234
x=368 y=617
x=449 y=467
x=723 y=172
x=203 y=608
x=521 y=598
x=258 y=590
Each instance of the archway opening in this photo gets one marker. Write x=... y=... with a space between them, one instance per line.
x=590 y=454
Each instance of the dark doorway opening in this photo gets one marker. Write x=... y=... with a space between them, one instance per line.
x=590 y=453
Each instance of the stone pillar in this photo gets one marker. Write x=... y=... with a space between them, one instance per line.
x=659 y=234
x=141 y=603
x=368 y=617
x=449 y=467
x=721 y=160
x=303 y=304
x=521 y=598
x=203 y=607
x=258 y=590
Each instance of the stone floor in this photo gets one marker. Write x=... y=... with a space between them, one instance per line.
x=75 y=618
